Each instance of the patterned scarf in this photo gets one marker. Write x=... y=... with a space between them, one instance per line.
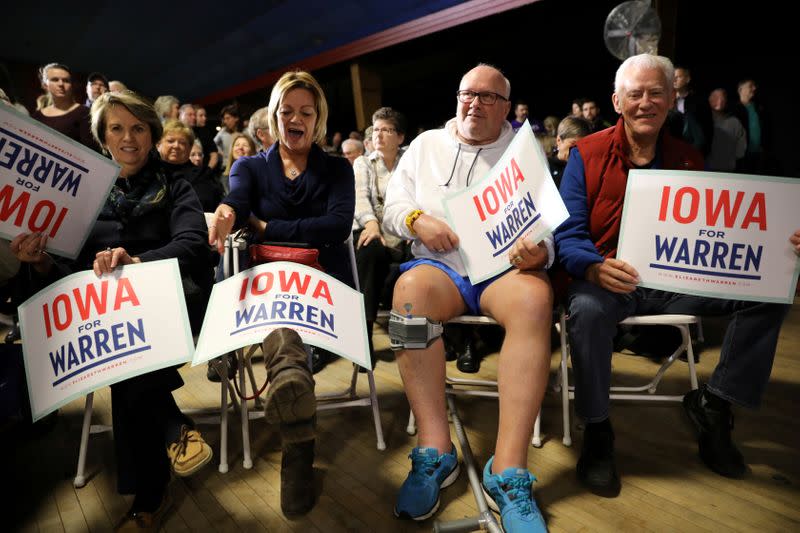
x=139 y=194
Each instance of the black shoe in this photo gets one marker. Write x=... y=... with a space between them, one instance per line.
x=232 y=366
x=13 y=334
x=714 y=423
x=468 y=362
x=596 y=468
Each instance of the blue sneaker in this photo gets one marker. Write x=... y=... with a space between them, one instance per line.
x=419 y=495
x=510 y=495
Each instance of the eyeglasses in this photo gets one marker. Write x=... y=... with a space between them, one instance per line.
x=487 y=98
x=383 y=130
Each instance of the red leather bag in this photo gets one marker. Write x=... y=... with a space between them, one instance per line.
x=267 y=253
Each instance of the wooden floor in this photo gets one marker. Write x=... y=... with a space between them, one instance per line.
x=665 y=486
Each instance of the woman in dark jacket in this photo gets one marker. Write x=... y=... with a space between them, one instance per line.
x=297 y=193
x=147 y=216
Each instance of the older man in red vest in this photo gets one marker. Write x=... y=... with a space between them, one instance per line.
x=604 y=289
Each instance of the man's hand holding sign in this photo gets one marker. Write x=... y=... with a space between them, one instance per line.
x=613 y=275
x=707 y=233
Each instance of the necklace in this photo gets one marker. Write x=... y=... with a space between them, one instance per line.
x=293 y=172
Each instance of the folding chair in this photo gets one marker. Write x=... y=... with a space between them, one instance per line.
x=682 y=322
x=200 y=415
x=346 y=398
x=207 y=416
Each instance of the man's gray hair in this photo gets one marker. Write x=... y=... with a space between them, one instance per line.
x=258 y=121
x=644 y=61
x=355 y=143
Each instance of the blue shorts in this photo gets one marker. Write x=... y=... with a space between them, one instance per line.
x=469 y=292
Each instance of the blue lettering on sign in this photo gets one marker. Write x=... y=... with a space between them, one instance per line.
x=45 y=166
x=127 y=338
x=672 y=253
x=519 y=218
x=279 y=313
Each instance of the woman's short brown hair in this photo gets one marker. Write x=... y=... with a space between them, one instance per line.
x=135 y=104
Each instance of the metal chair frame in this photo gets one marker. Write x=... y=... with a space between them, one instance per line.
x=681 y=322
x=331 y=400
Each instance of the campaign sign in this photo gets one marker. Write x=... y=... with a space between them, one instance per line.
x=712 y=234
x=246 y=307
x=515 y=199
x=49 y=183
x=84 y=332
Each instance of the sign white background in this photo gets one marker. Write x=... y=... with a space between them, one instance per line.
x=640 y=224
x=162 y=308
x=19 y=133
x=481 y=260
x=220 y=333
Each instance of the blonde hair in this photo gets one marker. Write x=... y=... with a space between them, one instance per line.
x=176 y=127
x=299 y=79
x=136 y=106
x=43 y=100
x=236 y=137
x=43 y=71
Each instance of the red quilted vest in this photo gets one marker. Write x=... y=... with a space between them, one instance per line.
x=606 y=164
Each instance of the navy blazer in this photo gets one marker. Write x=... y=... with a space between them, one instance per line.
x=316 y=208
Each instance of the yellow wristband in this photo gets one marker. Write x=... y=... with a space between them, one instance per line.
x=411 y=218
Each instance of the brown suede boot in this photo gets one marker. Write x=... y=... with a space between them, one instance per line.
x=291 y=403
x=297 y=477
x=290 y=396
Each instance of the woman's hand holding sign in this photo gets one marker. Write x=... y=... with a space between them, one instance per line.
x=111 y=258
x=435 y=234
x=613 y=275
x=526 y=255
x=30 y=248
x=795 y=239
x=221 y=226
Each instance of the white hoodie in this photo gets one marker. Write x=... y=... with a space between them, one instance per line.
x=436 y=165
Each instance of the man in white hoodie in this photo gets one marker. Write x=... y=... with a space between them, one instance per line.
x=434 y=286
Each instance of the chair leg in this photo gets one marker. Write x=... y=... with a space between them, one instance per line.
x=411 y=428
x=376 y=413
x=247 y=460
x=567 y=439
x=223 y=426
x=687 y=340
x=536 y=441
x=80 y=478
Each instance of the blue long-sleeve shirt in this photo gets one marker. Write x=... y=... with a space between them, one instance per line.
x=575 y=249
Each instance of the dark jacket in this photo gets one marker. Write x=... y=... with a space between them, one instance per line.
x=203 y=180
x=315 y=208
